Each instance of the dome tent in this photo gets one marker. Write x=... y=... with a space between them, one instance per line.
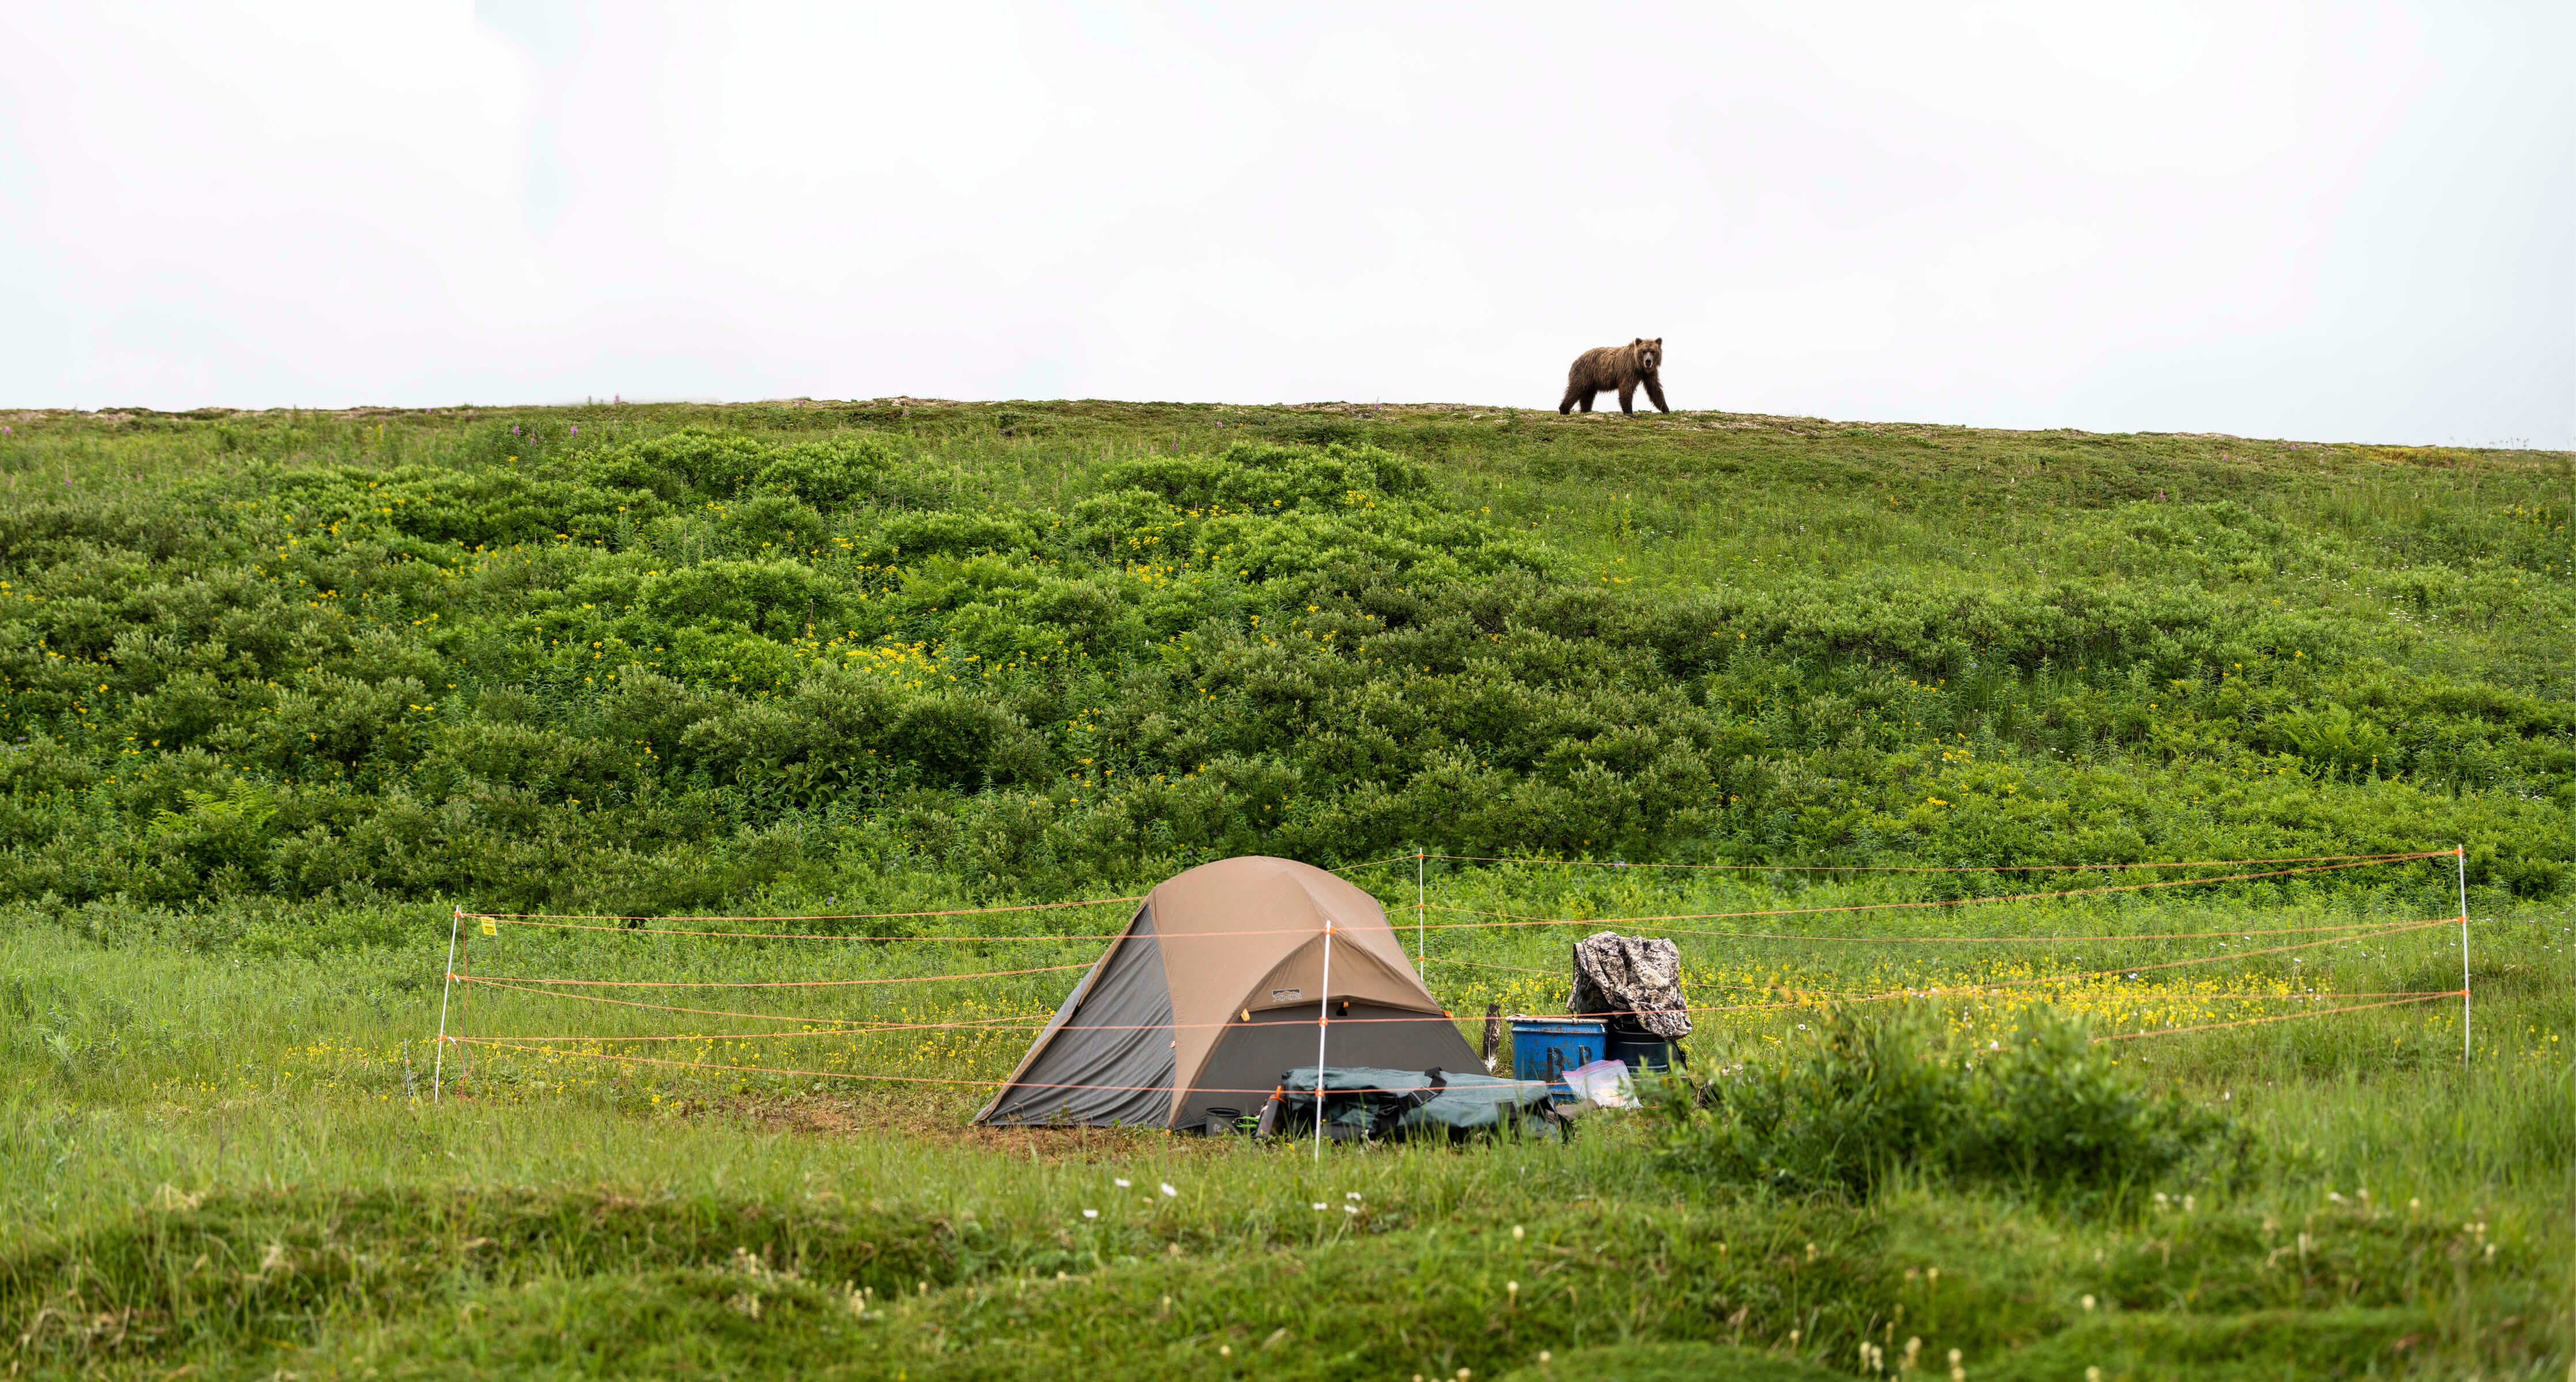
x=1215 y=990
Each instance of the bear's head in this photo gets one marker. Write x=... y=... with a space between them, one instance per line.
x=1650 y=354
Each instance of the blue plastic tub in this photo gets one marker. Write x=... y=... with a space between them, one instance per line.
x=1544 y=1048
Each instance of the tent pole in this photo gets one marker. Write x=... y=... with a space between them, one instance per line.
x=1323 y=1018
x=438 y=1066
x=1421 y=960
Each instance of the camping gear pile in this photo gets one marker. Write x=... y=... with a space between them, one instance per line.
x=1244 y=993
x=1634 y=985
x=1628 y=1013
x=1366 y=1103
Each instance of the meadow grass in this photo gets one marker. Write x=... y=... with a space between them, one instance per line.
x=227 y=1161
x=221 y=1155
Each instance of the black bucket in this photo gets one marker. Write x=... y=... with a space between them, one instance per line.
x=1639 y=1051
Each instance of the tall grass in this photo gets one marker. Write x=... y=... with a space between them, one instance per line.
x=234 y=1108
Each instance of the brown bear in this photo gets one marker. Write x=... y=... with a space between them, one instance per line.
x=1616 y=367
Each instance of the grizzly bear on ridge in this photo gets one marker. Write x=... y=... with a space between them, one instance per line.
x=1616 y=367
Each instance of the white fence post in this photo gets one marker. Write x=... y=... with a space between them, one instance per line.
x=2460 y=860
x=438 y=1066
x=1323 y=1019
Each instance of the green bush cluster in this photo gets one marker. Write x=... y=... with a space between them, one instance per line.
x=1879 y=1095
x=656 y=670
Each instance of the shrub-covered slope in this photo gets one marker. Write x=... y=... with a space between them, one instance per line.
x=654 y=659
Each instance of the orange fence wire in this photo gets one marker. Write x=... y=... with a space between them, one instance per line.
x=1792 y=998
x=817 y=916
x=1499 y=920
x=2280 y=1017
x=533 y=1046
x=768 y=983
x=1931 y=868
x=1798 y=998
x=1381 y=863
x=787 y=935
x=1518 y=919
x=2330 y=861
x=1037 y=1023
x=701 y=1012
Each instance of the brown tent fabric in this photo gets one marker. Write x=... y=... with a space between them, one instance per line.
x=1213 y=991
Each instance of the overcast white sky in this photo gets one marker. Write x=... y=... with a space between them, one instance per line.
x=2351 y=222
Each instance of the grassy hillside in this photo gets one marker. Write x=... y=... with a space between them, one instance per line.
x=283 y=689
x=617 y=659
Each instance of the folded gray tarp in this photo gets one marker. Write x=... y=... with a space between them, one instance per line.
x=1365 y=1100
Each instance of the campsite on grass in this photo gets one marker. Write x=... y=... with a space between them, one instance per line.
x=877 y=866
x=2005 y=815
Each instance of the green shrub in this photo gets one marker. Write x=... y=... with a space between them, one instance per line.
x=1875 y=1094
x=959 y=741
x=519 y=644
x=914 y=537
x=771 y=520
x=776 y=598
x=718 y=463
x=828 y=474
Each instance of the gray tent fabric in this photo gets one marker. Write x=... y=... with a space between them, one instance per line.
x=1118 y=1072
x=1635 y=981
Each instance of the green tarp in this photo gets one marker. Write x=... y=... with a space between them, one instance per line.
x=1367 y=1101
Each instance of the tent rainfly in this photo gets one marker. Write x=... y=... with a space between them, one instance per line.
x=1215 y=990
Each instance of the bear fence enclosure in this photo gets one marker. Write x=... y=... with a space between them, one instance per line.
x=870 y=1008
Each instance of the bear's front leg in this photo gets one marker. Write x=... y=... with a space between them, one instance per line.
x=1628 y=397
x=1655 y=391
